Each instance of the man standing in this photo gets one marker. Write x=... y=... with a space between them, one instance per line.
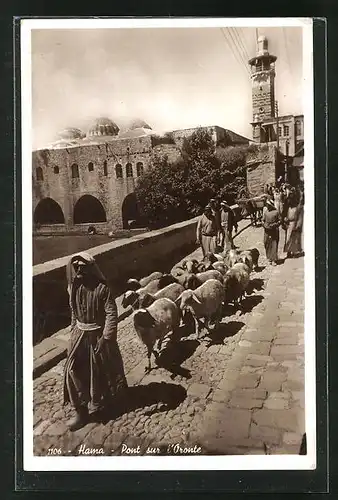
x=206 y=232
x=217 y=213
x=94 y=368
x=228 y=222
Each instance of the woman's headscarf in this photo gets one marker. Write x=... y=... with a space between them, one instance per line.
x=88 y=259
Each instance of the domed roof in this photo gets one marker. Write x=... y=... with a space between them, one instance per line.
x=137 y=123
x=70 y=133
x=135 y=132
x=102 y=127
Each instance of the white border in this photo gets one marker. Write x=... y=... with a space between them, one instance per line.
x=245 y=462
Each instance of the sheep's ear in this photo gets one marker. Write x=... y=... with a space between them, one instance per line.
x=196 y=299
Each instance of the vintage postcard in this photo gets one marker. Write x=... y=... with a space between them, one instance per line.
x=168 y=235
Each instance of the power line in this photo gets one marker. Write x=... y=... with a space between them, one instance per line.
x=232 y=49
x=238 y=50
x=241 y=44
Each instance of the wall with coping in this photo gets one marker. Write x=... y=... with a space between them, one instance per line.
x=119 y=260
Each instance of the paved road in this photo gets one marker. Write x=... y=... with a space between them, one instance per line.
x=239 y=391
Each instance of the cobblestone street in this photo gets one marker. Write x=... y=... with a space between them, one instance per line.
x=239 y=391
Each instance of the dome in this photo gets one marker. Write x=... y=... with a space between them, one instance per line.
x=137 y=123
x=103 y=127
x=70 y=134
x=135 y=132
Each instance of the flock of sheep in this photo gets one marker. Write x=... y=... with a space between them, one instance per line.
x=193 y=290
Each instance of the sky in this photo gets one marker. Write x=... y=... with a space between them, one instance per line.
x=172 y=78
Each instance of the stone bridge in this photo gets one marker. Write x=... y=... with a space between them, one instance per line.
x=238 y=391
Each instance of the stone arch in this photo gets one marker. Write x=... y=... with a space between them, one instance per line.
x=89 y=209
x=48 y=211
x=39 y=174
x=129 y=170
x=130 y=211
x=75 y=171
x=139 y=168
x=119 y=172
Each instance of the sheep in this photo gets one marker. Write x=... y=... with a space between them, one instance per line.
x=203 y=302
x=235 y=282
x=154 y=323
x=171 y=292
x=191 y=265
x=153 y=276
x=195 y=280
x=134 y=299
x=255 y=257
x=231 y=257
x=221 y=267
x=246 y=258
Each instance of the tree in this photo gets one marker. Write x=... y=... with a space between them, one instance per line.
x=169 y=193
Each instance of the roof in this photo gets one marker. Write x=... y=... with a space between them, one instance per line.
x=103 y=126
x=136 y=132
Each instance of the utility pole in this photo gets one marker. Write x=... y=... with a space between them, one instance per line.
x=286 y=160
x=277 y=122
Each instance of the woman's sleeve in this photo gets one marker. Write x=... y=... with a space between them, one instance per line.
x=110 y=326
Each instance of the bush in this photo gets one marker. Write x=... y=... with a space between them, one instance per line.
x=169 y=193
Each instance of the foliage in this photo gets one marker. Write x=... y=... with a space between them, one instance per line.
x=169 y=193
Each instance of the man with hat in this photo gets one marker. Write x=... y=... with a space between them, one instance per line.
x=271 y=221
x=228 y=221
x=217 y=213
x=206 y=232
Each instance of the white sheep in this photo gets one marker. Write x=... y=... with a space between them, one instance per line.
x=154 y=323
x=153 y=276
x=221 y=267
x=203 y=302
x=171 y=292
x=246 y=258
x=236 y=282
x=231 y=257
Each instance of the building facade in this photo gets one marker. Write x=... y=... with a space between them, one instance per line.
x=285 y=133
x=89 y=179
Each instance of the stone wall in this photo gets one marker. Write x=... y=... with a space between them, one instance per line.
x=262 y=170
x=58 y=184
x=119 y=260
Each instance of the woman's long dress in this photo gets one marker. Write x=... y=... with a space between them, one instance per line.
x=91 y=377
x=271 y=222
x=293 y=241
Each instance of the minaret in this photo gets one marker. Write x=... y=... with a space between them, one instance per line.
x=263 y=86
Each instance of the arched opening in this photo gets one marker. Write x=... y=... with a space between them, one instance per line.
x=118 y=170
x=48 y=211
x=90 y=166
x=130 y=212
x=56 y=169
x=105 y=169
x=75 y=171
x=39 y=174
x=129 y=170
x=139 y=168
x=89 y=209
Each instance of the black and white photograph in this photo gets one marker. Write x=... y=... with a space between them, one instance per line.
x=168 y=244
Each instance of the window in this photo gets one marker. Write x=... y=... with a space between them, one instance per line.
x=75 y=171
x=139 y=168
x=298 y=128
x=279 y=131
x=118 y=170
x=285 y=130
x=105 y=170
x=39 y=174
x=129 y=170
x=56 y=169
x=90 y=166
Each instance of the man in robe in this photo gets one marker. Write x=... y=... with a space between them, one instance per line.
x=206 y=232
x=228 y=222
x=94 y=369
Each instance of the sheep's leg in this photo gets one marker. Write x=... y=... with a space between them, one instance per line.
x=148 y=368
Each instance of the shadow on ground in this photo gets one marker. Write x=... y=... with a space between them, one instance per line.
x=256 y=284
x=176 y=353
x=165 y=396
x=250 y=302
x=225 y=330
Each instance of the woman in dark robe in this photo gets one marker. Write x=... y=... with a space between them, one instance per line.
x=294 y=222
x=271 y=222
x=94 y=371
